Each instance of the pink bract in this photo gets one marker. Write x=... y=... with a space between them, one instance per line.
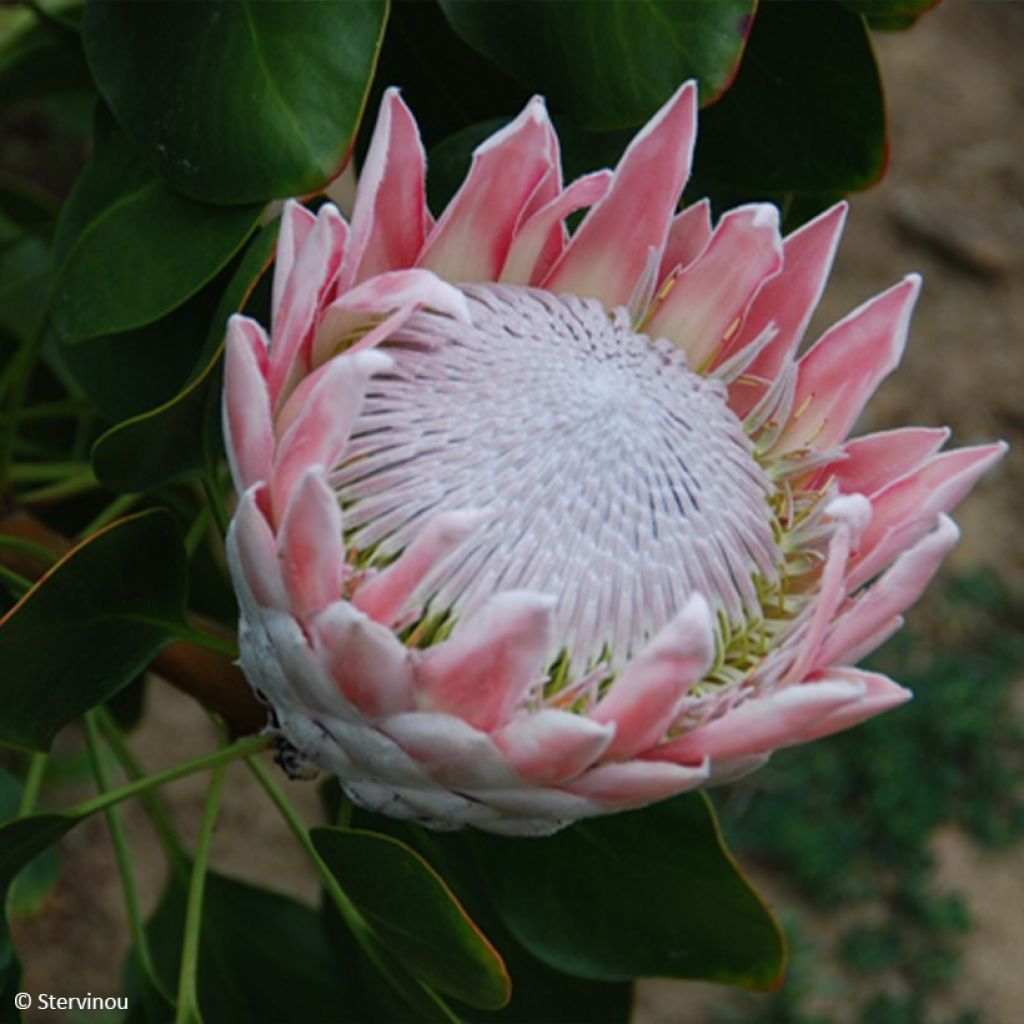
x=536 y=526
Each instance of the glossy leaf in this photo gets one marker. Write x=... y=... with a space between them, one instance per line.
x=128 y=249
x=805 y=113
x=610 y=64
x=646 y=893
x=89 y=626
x=540 y=994
x=414 y=914
x=169 y=441
x=385 y=990
x=238 y=102
x=131 y=372
x=263 y=958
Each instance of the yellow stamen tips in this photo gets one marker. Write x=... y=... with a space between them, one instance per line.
x=732 y=329
x=667 y=285
x=803 y=407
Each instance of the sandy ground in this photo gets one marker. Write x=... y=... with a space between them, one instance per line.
x=952 y=207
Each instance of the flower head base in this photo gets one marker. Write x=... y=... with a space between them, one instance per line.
x=534 y=527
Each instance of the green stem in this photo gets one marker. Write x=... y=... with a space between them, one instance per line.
x=64 y=408
x=39 y=552
x=67 y=488
x=197 y=530
x=15 y=581
x=122 y=851
x=37 y=472
x=223 y=755
x=117 y=507
x=357 y=924
x=291 y=816
x=188 y=997
x=166 y=833
x=33 y=782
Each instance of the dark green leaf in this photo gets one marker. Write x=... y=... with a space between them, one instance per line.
x=414 y=914
x=447 y=84
x=128 y=705
x=238 y=102
x=540 y=994
x=167 y=442
x=24 y=266
x=42 y=60
x=449 y=160
x=36 y=880
x=10 y=986
x=609 y=64
x=128 y=250
x=128 y=373
x=262 y=958
x=650 y=892
x=89 y=626
x=805 y=113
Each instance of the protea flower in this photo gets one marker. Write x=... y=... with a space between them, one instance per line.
x=535 y=527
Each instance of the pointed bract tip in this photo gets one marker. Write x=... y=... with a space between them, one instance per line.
x=534 y=114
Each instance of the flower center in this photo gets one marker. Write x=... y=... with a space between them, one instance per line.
x=616 y=479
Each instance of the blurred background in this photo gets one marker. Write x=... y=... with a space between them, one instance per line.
x=893 y=854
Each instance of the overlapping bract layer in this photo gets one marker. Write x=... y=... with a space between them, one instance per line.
x=476 y=719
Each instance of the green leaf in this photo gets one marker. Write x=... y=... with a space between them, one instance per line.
x=134 y=371
x=165 y=443
x=128 y=249
x=805 y=113
x=238 y=102
x=10 y=986
x=44 y=59
x=24 y=265
x=263 y=958
x=646 y=893
x=36 y=880
x=445 y=82
x=414 y=914
x=23 y=839
x=449 y=160
x=540 y=994
x=609 y=64
x=89 y=626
